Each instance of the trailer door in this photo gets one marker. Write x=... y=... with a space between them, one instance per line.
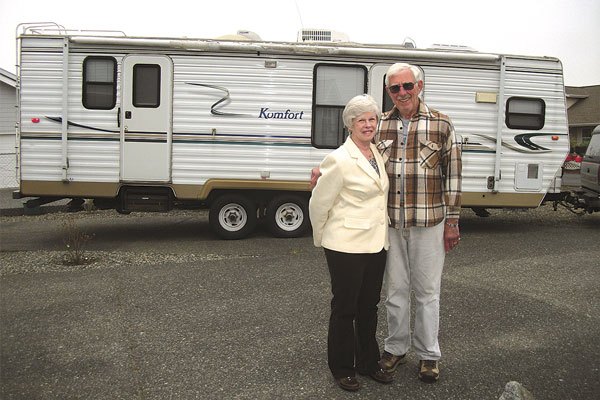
x=376 y=86
x=146 y=118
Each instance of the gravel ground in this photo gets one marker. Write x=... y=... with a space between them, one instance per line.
x=39 y=261
x=35 y=261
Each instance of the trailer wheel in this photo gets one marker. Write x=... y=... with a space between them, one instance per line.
x=287 y=216
x=232 y=216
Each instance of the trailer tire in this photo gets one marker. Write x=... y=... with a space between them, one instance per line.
x=232 y=216
x=287 y=216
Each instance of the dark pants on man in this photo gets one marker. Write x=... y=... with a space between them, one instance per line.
x=356 y=281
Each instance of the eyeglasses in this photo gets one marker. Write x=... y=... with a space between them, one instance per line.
x=406 y=86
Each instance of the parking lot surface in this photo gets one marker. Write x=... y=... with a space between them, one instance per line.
x=165 y=310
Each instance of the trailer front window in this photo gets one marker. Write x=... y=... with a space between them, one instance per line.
x=99 y=83
x=525 y=113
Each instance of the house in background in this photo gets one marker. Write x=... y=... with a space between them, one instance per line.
x=583 y=109
x=8 y=118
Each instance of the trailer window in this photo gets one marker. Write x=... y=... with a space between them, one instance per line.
x=334 y=86
x=525 y=113
x=99 y=83
x=146 y=85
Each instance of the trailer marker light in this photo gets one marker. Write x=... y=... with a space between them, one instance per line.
x=35 y=120
x=555 y=137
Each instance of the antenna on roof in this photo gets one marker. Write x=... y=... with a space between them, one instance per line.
x=299 y=14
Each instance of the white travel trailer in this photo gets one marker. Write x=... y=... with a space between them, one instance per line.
x=151 y=124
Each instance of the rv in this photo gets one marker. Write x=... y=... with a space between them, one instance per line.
x=235 y=126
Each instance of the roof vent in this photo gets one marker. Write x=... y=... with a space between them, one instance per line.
x=241 y=35
x=409 y=43
x=321 y=35
x=452 y=47
x=250 y=35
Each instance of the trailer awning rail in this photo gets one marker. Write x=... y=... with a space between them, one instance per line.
x=208 y=45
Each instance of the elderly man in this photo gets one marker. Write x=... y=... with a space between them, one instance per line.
x=424 y=169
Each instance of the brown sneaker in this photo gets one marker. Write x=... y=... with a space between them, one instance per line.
x=390 y=362
x=429 y=371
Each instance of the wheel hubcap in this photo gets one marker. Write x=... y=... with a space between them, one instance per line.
x=289 y=216
x=233 y=217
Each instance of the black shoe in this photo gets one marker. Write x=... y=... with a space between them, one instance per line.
x=381 y=376
x=349 y=383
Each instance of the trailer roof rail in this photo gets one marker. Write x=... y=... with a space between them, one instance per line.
x=52 y=28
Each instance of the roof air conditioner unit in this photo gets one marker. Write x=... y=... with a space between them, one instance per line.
x=321 y=35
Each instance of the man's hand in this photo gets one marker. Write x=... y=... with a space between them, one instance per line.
x=315 y=173
x=451 y=234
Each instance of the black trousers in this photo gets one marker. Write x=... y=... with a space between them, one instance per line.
x=356 y=281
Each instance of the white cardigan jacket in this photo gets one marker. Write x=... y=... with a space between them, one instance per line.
x=348 y=207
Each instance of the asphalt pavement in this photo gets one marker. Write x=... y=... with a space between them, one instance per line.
x=168 y=311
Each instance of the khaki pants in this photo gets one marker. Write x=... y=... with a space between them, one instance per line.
x=415 y=262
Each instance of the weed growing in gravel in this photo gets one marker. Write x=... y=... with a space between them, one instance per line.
x=75 y=240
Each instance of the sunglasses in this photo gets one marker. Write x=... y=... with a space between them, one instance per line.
x=406 y=86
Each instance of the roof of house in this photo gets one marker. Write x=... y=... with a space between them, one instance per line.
x=586 y=110
x=8 y=78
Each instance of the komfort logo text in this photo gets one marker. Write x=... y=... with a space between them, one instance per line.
x=287 y=114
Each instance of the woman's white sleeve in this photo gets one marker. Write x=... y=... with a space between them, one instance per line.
x=324 y=194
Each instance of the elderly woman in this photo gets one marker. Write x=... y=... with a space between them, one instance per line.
x=348 y=213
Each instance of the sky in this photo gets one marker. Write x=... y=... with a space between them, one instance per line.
x=566 y=29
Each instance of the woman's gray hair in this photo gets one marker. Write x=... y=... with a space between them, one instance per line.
x=359 y=105
x=395 y=68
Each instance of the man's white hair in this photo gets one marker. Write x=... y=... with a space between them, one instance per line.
x=398 y=67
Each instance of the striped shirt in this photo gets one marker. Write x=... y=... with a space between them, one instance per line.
x=424 y=170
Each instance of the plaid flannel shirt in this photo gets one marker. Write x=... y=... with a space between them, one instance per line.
x=432 y=168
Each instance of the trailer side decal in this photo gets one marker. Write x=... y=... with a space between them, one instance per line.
x=213 y=108
x=70 y=123
x=523 y=140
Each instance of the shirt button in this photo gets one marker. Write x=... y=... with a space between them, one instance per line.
x=398 y=192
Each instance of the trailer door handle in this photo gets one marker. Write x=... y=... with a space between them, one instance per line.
x=119 y=117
